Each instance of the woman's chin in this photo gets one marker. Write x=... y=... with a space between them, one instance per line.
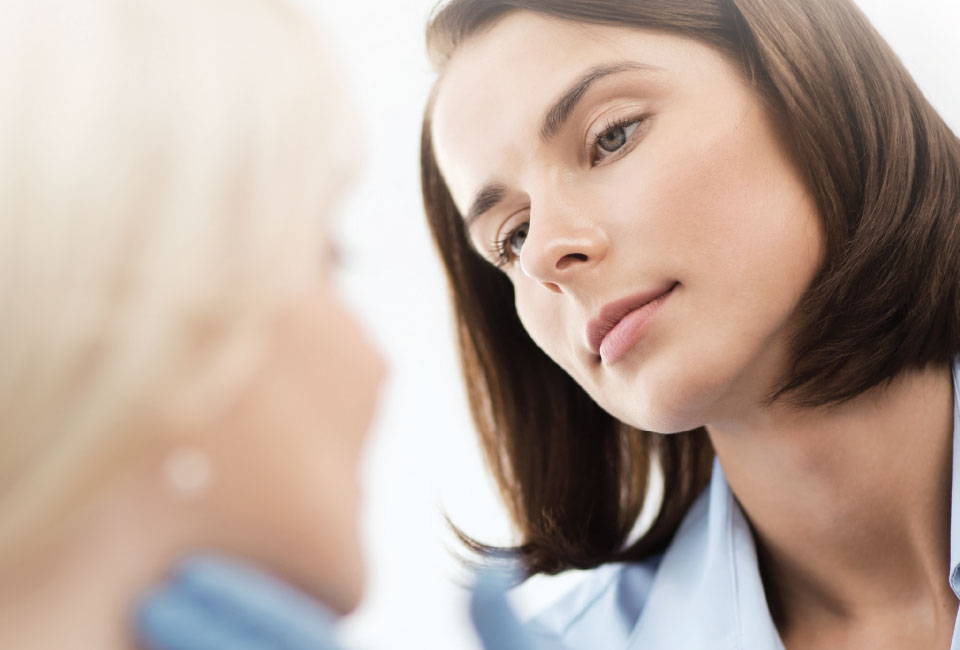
x=667 y=403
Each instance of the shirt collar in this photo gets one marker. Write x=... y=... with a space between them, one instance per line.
x=708 y=592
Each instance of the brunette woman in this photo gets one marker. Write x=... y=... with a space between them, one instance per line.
x=713 y=247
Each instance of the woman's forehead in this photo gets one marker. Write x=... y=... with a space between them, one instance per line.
x=497 y=89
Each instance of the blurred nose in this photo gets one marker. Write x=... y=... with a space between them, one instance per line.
x=558 y=250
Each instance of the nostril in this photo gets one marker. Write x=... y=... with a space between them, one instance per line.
x=569 y=259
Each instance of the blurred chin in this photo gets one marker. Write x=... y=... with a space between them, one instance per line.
x=342 y=586
x=348 y=593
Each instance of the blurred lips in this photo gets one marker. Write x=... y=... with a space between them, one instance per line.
x=618 y=326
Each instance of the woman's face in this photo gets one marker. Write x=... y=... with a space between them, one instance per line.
x=285 y=488
x=644 y=204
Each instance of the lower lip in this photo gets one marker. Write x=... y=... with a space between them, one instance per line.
x=628 y=331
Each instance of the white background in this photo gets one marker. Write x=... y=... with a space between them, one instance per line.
x=422 y=458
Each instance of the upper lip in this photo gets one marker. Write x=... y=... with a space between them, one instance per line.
x=612 y=313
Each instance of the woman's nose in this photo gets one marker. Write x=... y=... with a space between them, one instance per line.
x=556 y=255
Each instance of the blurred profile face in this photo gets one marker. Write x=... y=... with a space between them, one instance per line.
x=285 y=491
x=146 y=198
x=643 y=202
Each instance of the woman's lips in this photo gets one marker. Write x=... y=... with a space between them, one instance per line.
x=620 y=324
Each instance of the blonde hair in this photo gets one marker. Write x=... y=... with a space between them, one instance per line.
x=165 y=166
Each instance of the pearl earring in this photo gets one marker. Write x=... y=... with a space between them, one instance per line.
x=188 y=471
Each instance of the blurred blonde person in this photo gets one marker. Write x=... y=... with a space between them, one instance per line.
x=177 y=374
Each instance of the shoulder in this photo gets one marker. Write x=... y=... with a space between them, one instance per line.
x=601 y=611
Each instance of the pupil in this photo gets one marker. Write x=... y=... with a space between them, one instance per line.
x=517 y=239
x=613 y=139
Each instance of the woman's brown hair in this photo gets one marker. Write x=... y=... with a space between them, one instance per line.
x=884 y=171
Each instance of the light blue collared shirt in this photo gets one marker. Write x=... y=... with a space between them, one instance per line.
x=704 y=591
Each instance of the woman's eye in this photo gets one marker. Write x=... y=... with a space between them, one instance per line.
x=508 y=248
x=516 y=238
x=613 y=138
x=332 y=253
x=331 y=257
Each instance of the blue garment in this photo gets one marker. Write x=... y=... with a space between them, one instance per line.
x=494 y=621
x=704 y=592
x=213 y=602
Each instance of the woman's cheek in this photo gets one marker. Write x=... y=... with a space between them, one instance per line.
x=536 y=313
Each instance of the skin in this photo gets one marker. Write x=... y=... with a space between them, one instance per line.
x=283 y=492
x=704 y=195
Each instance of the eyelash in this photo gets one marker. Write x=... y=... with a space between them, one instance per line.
x=501 y=254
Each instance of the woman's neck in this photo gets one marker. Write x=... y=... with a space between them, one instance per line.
x=80 y=593
x=850 y=506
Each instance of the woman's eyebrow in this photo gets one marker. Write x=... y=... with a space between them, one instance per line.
x=489 y=196
x=559 y=112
